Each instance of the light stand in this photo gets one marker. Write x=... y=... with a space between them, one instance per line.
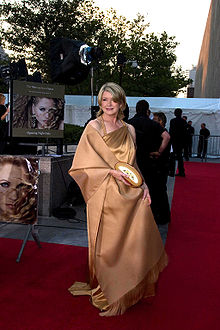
x=92 y=85
x=121 y=60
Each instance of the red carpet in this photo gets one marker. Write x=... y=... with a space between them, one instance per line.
x=34 y=296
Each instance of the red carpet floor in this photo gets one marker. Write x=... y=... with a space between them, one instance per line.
x=34 y=296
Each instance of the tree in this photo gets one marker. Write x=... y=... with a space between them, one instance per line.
x=156 y=73
x=3 y=70
x=28 y=26
x=31 y=24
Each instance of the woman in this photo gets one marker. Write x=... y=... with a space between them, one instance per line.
x=38 y=112
x=3 y=125
x=163 y=164
x=126 y=253
x=18 y=189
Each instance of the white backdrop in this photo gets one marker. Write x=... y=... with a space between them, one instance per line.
x=77 y=110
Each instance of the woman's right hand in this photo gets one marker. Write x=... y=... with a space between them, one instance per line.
x=146 y=195
x=120 y=176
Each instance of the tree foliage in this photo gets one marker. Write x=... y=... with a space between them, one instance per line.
x=28 y=26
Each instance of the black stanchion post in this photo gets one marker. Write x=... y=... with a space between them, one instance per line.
x=59 y=146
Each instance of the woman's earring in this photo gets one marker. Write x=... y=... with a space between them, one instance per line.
x=33 y=121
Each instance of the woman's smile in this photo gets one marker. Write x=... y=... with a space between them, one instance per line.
x=109 y=106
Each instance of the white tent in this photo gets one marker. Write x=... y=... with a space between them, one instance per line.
x=198 y=110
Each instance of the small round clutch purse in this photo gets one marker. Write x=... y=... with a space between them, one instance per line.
x=134 y=177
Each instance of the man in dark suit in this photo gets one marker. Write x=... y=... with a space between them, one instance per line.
x=178 y=137
x=151 y=140
x=189 y=137
x=204 y=134
x=188 y=143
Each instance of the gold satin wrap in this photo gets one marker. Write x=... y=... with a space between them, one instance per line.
x=126 y=252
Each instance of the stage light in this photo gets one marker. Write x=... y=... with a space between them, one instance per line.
x=134 y=64
x=19 y=69
x=15 y=70
x=71 y=60
x=35 y=77
x=121 y=59
x=5 y=73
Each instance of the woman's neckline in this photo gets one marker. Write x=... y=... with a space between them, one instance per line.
x=104 y=126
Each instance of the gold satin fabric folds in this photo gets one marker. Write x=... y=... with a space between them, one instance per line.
x=126 y=253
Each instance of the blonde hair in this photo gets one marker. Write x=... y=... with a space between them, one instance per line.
x=2 y=98
x=23 y=114
x=118 y=95
x=26 y=204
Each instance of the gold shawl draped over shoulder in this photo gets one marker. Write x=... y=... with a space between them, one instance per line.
x=126 y=252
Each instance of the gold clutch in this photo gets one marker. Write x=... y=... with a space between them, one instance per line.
x=134 y=177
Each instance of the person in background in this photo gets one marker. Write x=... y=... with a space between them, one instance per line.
x=4 y=111
x=178 y=137
x=126 y=253
x=126 y=113
x=162 y=175
x=187 y=150
x=152 y=140
x=189 y=136
x=161 y=118
x=204 y=134
x=149 y=112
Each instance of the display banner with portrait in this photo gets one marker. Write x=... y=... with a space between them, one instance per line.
x=18 y=189
x=37 y=110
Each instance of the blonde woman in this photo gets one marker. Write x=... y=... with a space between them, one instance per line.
x=38 y=112
x=18 y=189
x=126 y=253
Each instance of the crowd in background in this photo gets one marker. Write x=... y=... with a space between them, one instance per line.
x=158 y=151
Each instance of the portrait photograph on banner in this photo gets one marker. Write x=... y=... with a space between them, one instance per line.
x=18 y=189
x=37 y=110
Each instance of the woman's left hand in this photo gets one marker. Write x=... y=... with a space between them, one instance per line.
x=155 y=154
x=146 y=194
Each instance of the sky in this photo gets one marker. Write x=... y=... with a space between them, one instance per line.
x=186 y=20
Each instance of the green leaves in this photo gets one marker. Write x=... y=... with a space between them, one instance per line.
x=32 y=23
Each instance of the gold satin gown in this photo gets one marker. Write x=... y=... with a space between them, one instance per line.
x=126 y=253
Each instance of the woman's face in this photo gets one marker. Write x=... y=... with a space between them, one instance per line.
x=109 y=107
x=44 y=112
x=158 y=120
x=2 y=101
x=12 y=180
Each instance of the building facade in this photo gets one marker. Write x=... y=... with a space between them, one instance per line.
x=207 y=81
